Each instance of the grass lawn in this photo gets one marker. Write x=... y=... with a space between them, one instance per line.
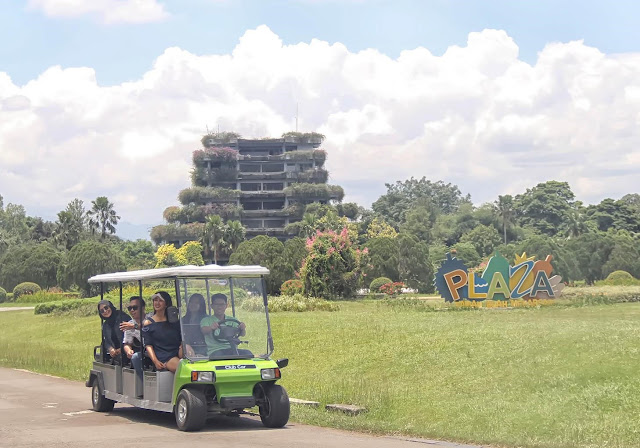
x=549 y=377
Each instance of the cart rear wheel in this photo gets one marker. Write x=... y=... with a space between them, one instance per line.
x=98 y=400
x=191 y=410
x=274 y=406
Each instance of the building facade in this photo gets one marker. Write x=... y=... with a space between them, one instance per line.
x=265 y=183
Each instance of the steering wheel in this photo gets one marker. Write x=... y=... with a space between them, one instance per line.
x=228 y=333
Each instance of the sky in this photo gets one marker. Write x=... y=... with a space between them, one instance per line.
x=110 y=97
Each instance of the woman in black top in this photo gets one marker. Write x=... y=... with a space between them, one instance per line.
x=111 y=334
x=162 y=338
x=196 y=311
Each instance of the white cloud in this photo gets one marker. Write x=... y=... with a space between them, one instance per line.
x=476 y=116
x=109 y=11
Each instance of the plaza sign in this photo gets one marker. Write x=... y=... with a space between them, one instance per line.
x=526 y=282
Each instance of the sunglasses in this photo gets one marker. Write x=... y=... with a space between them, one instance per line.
x=132 y=307
x=104 y=309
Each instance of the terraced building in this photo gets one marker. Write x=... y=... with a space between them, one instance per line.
x=265 y=183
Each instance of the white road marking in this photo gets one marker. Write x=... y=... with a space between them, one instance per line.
x=77 y=413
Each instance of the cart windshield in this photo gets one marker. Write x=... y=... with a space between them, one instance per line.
x=223 y=318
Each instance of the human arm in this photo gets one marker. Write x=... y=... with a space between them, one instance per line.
x=208 y=325
x=128 y=351
x=243 y=328
x=154 y=359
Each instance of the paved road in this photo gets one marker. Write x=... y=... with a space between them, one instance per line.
x=16 y=308
x=44 y=411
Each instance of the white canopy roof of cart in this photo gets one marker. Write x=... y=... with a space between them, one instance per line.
x=210 y=270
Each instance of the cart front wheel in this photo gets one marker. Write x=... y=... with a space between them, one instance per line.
x=98 y=400
x=191 y=410
x=274 y=405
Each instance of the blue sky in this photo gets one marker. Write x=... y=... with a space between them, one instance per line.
x=33 y=42
x=493 y=96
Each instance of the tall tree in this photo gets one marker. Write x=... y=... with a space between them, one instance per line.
x=214 y=234
x=234 y=234
x=401 y=196
x=544 y=207
x=504 y=208
x=102 y=216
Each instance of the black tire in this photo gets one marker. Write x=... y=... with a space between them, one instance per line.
x=98 y=400
x=191 y=410
x=275 y=407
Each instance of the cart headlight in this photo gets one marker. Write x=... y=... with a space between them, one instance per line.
x=270 y=374
x=204 y=377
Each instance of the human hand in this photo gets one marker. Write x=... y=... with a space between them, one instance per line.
x=129 y=354
x=126 y=326
x=215 y=326
x=159 y=365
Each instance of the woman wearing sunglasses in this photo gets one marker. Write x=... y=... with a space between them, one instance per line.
x=111 y=333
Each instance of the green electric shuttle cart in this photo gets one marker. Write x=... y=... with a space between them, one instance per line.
x=229 y=381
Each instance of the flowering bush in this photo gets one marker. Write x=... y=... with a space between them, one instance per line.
x=392 y=289
x=24 y=289
x=376 y=283
x=333 y=267
x=189 y=253
x=291 y=287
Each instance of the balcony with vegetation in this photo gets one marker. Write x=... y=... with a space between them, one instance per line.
x=314 y=191
x=205 y=195
x=198 y=213
x=177 y=232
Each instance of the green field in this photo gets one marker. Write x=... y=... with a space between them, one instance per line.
x=549 y=377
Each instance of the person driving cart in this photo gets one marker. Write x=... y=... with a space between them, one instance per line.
x=211 y=326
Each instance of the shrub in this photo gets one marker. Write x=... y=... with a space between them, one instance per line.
x=45 y=296
x=291 y=287
x=392 y=289
x=9 y=297
x=25 y=288
x=297 y=303
x=3 y=295
x=82 y=307
x=376 y=283
x=619 y=278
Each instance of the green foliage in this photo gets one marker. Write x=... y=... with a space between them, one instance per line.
x=30 y=262
x=420 y=220
x=268 y=252
x=304 y=137
x=138 y=254
x=46 y=296
x=414 y=263
x=467 y=253
x=3 y=295
x=619 y=278
x=376 y=283
x=333 y=268
x=214 y=154
x=544 y=207
x=296 y=302
x=203 y=195
x=190 y=253
x=25 y=288
x=177 y=232
x=198 y=213
x=383 y=258
x=483 y=238
x=102 y=217
x=349 y=210
x=401 y=197
x=88 y=306
x=295 y=251
x=315 y=191
x=291 y=287
x=85 y=260
x=615 y=215
x=220 y=137
x=379 y=228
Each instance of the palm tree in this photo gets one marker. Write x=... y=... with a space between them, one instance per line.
x=214 y=233
x=504 y=207
x=234 y=235
x=575 y=224
x=102 y=216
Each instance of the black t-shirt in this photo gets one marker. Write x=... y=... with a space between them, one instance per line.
x=164 y=337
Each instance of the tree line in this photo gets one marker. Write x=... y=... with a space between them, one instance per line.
x=404 y=237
